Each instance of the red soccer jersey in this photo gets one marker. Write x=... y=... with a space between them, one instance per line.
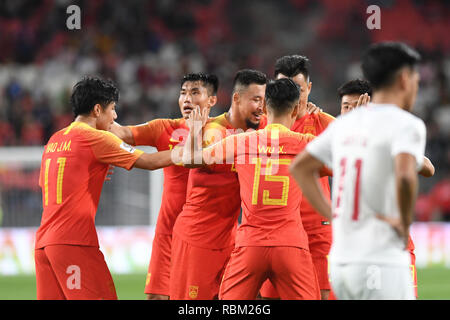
x=270 y=196
x=164 y=134
x=74 y=165
x=313 y=124
x=209 y=217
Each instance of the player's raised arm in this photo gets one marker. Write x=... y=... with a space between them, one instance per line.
x=192 y=150
x=427 y=168
x=122 y=132
x=305 y=169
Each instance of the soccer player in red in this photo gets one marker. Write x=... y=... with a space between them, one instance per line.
x=197 y=89
x=69 y=264
x=270 y=242
x=204 y=232
x=317 y=227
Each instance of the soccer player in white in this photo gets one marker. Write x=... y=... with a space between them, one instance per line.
x=375 y=154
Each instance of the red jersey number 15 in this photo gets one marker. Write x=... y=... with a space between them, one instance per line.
x=266 y=200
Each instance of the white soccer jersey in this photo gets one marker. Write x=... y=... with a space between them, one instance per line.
x=360 y=147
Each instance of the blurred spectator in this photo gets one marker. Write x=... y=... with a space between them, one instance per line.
x=146 y=47
x=440 y=198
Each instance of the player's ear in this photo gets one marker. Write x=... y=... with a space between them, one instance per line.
x=403 y=78
x=309 y=86
x=264 y=107
x=212 y=100
x=295 y=111
x=235 y=97
x=97 y=110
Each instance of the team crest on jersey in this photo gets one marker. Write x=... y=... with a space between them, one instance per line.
x=193 y=292
x=127 y=147
x=310 y=130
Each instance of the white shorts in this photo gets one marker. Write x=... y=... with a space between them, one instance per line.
x=371 y=282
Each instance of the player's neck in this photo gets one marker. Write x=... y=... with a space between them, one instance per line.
x=283 y=120
x=301 y=112
x=388 y=97
x=88 y=120
x=235 y=120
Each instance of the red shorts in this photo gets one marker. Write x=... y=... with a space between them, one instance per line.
x=195 y=272
x=158 y=275
x=72 y=272
x=289 y=269
x=319 y=246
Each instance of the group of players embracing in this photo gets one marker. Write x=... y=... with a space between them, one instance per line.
x=269 y=158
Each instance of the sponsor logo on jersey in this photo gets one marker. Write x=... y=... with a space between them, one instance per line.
x=127 y=147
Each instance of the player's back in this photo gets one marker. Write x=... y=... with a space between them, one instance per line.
x=363 y=145
x=270 y=196
x=73 y=169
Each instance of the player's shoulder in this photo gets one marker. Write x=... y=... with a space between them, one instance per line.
x=289 y=134
x=398 y=117
x=217 y=122
x=301 y=136
x=168 y=122
x=325 y=116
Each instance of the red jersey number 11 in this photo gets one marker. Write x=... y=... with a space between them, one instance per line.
x=59 y=180
x=358 y=166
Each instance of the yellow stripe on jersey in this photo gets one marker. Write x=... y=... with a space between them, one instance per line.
x=47 y=167
x=59 y=181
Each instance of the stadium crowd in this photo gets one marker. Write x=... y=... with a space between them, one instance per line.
x=146 y=47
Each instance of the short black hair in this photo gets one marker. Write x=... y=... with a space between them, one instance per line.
x=282 y=95
x=246 y=77
x=91 y=91
x=292 y=65
x=382 y=61
x=357 y=86
x=209 y=81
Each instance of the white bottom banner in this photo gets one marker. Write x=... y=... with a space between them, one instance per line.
x=128 y=249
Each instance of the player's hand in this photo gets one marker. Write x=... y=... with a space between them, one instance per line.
x=109 y=173
x=312 y=108
x=363 y=100
x=398 y=226
x=197 y=118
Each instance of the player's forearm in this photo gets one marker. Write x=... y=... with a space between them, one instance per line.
x=406 y=196
x=427 y=168
x=193 y=150
x=122 y=132
x=406 y=182
x=157 y=160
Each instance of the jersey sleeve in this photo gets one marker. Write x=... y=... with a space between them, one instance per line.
x=410 y=138
x=147 y=134
x=320 y=147
x=325 y=119
x=221 y=152
x=107 y=148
